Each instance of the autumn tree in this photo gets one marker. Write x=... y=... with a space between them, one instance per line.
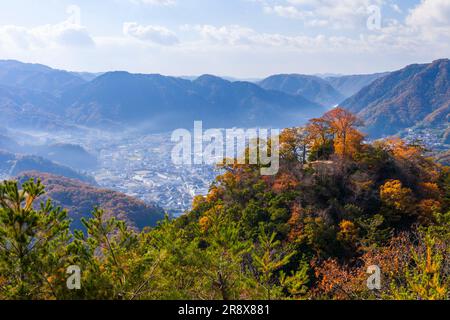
x=319 y=137
x=398 y=201
x=342 y=124
x=294 y=144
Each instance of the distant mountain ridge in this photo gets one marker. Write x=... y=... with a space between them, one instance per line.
x=352 y=84
x=165 y=103
x=15 y=164
x=37 y=77
x=36 y=96
x=313 y=88
x=417 y=94
x=50 y=99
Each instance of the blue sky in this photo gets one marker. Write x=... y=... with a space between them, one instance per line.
x=240 y=38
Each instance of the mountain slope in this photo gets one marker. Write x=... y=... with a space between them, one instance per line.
x=164 y=103
x=14 y=164
x=413 y=95
x=37 y=77
x=311 y=87
x=120 y=100
x=244 y=103
x=87 y=76
x=72 y=155
x=24 y=108
x=80 y=199
x=350 y=85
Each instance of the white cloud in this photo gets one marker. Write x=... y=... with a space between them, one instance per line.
x=154 y=34
x=241 y=50
x=430 y=13
x=430 y=20
x=394 y=38
x=230 y=35
x=239 y=36
x=396 y=8
x=288 y=12
x=336 y=14
x=155 y=2
x=65 y=33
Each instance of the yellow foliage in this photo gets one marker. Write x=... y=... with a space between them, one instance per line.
x=197 y=201
x=205 y=223
x=400 y=149
x=396 y=196
x=348 y=231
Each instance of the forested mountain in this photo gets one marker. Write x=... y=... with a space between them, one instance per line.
x=80 y=199
x=311 y=87
x=25 y=108
x=36 y=77
x=66 y=154
x=352 y=84
x=15 y=164
x=419 y=93
x=36 y=96
x=163 y=103
x=309 y=232
x=387 y=102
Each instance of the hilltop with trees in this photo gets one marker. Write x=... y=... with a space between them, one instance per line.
x=337 y=206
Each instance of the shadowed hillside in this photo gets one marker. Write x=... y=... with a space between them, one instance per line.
x=80 y=199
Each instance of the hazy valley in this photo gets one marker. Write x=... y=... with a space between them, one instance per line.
x=112 y=130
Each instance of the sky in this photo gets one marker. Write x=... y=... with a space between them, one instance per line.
x=237 y=38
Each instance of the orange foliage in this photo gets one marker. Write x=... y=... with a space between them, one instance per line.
x=295 y=223
x=400 y=149
x=426 y=209
x=213 y=195
x=412 y=155
x=340 y=282
x=430 y=190
x=393 y=258
x=336 y=281
x=204 y=223
x=318 y=130
x=284 y=182
x=342 y=123
x=350 y=145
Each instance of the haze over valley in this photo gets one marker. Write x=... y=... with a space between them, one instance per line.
x=112 y=130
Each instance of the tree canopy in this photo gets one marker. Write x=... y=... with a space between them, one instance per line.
x=337 y=206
